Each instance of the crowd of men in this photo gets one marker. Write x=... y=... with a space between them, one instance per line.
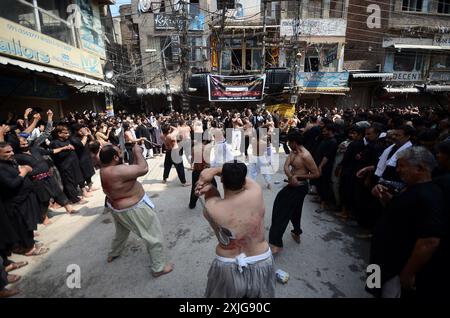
x=387 y=169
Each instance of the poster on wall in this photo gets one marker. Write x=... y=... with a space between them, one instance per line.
x=91 y=32
x=236 y=88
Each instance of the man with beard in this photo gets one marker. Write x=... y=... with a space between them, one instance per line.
x=68 y=165
x=21 y=204
x=80 y=140
x=130 y=206
x=45 y=184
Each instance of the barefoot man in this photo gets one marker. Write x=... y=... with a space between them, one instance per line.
x=169 y=137
x=130 y=206
x=243 y=266
x=288 y=204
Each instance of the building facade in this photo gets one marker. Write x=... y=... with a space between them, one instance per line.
x=52 y=55
x=173 y=41
x=398 y=52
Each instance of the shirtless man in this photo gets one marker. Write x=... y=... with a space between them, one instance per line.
x=261 y=159
x=185 y=133
x=237 y=132
x=299 y=167
x=169 y=137
x=244 y=265
x=130 y=206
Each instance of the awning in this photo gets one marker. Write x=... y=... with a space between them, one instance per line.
x=421 y=47
x=46 y=69
x=372 y=75
x=437 y=88
x=402 y=90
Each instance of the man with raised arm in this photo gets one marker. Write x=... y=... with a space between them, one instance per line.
x=243 y=266
x=131 y=208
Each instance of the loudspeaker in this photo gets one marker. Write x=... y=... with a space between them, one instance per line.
x=199 y=81
x=277 y=79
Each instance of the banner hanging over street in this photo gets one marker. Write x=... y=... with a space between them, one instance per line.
x=236 y=88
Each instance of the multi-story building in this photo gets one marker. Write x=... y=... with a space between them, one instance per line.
x=173 y=40
x=398 y=52
x=306 y=37
x=50 y=58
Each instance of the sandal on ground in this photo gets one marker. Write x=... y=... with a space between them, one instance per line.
x=38 y=251
x=13 y=266
x=13 y=279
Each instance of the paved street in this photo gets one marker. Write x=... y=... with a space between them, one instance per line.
x=330 y=262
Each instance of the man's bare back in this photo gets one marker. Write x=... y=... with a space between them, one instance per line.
x=170 y=140
x=243 y=216
x=239 y=217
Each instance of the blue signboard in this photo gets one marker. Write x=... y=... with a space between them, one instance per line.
x=322 y=79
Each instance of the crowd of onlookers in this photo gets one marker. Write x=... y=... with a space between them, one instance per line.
x=388 y=169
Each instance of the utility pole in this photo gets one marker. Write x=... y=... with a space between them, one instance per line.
x=185 y=65
x=296 y=29
x=166 y=80
x=263 y=53
x=221 y=42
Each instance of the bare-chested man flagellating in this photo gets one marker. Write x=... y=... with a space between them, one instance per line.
x=299 y=167
x=169 y=137
x=244 y=265
x=130 y=206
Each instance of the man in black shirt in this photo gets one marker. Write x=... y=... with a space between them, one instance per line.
x=411 y=227
x=324 y=158
x=80 y=139
x=45 y=184
x=68 y=165
x=20 y=201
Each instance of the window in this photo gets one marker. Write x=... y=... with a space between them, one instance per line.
x=253 y=59
x=312 y=64
x=52 y=17
x=236 y=60
x=336 y=8
x=315 y=9
x=196 y=49
x=415 y=5
x=444 y=6
x=20 y=13
x=225 y=3
x=408 y=62
x=440 y=62
x=241 y=55
x=226 y=60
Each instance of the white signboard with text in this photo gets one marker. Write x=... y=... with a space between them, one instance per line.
x=442 y=40
x=313 y=27
x=405 y=77
x=387 y=42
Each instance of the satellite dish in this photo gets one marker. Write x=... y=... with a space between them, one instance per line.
x=108 y=70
